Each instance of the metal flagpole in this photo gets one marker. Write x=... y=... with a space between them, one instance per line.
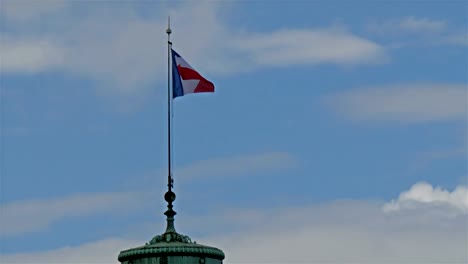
x=169 y=104
x=170 y=195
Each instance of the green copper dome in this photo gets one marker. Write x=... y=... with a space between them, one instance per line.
x=171 y=247
x=176 y=250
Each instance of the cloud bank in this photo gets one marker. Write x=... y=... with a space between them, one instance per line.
x=332 y=232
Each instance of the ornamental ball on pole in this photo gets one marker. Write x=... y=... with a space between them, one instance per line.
x=170 y=197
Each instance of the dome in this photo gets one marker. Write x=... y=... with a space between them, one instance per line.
x=171 y=247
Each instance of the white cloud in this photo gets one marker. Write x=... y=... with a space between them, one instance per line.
x=423 y=194
x=29 y=55
x=237 y=165
x=15 y=217
x=404 y=103
x=290 y=47
x=124 y=55
x=333 y=232
x=126 y=52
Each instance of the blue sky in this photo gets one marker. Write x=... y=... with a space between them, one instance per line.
x=345 y=120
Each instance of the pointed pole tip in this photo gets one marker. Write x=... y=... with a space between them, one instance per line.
x=168 y=30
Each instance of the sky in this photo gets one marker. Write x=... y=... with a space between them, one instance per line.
x=337 y=132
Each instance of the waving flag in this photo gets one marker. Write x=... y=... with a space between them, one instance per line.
x=185 y=79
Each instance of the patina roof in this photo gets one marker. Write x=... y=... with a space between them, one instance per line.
x=170 y=243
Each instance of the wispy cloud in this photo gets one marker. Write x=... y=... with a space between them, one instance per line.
x=30 y=55
x=409 y=24
x=417 y=31
x=426 y=159
x=403 y=103
x=421 y=24
x=16 y=217
x=338 y=232
x=237 y=166
x=102 y=251
x=455 y=39
x=127 y=52
x=330 y=45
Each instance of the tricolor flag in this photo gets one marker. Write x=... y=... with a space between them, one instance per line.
x=185 y=79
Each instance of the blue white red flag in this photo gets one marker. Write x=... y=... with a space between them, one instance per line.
x=185 y=79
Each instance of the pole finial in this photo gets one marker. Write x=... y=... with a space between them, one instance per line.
x=170 y=198
x=168 y=30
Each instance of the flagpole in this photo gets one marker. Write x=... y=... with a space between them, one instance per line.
x=170 y=195
x=169 y=104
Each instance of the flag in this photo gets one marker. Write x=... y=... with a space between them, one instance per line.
x=185 y=79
